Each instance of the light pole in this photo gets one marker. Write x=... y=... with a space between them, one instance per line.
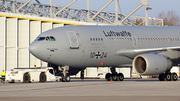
x=147 y=18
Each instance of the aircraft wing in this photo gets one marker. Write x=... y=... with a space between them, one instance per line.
x=131 y=53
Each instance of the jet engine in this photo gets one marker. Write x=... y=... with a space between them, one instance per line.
x=151 y=64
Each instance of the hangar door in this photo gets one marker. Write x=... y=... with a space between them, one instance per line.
x=73 y=40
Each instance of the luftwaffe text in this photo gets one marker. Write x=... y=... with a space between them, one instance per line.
x=122 y=34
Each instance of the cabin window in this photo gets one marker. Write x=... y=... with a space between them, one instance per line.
x=170 y=39
x=163 y=39
x=140 y=39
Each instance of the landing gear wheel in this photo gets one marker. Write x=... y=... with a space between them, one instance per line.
x=120 y=77
x=63 y=79
x=42 y=77
x=67 y=78
x=174 y=77
x=26 y=78
x=168 y=77
x=108 y=77
x=161 y=77
x=114 y=77
x=11 y=82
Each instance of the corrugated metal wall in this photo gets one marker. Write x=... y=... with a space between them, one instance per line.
x=15 y=38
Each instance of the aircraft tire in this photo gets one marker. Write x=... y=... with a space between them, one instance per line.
x=67 y=78
x=168 y=77
x=174 y=77
x=108 y=77
x=11 y=82
x=161 y=77
x=26 y=78
x=114 y=77
x=120 y=77
x=42 y=77
x=63 y=79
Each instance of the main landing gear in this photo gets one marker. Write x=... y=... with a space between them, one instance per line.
x=114 y=75
x=168 y=76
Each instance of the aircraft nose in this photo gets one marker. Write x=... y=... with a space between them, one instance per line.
x=33 y=48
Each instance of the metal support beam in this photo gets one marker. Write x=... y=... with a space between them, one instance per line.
x=51 y=9
x=88 y=8
x=162 y=21
x=146 y=10
x=119 y=7
x=24 y=5
x=116 y=9
x=66 y=6
x=14 y=6
x=38 y=2
x=143 y=2
x=102 y=9
x=131 y=13
x=106 y=19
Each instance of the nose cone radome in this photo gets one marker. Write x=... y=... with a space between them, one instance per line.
x=33 y=48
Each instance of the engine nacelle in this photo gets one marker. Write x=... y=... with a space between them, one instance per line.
x=150 y=64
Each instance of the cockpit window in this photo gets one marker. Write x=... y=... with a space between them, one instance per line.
x=52 y=38
x=41 y=38
x=47 y=39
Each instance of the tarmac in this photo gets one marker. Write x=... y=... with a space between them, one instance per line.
x=93 y=90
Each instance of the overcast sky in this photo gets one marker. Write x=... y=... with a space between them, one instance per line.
x=126 y=5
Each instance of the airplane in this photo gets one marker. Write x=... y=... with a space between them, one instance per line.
x=150 y=50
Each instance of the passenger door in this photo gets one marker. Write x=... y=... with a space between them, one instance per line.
x=73 y=40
